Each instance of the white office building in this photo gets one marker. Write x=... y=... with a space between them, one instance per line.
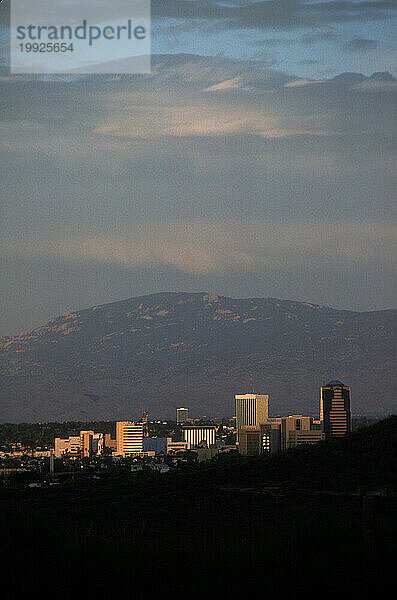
x=199 y=434
x=252 y=410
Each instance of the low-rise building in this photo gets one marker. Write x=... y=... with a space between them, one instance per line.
x=260 y=439
x=67 y=446
x=250 y=441
x=197 y=434
x=291 y=424
x=205 y=453
x=108 y=442
x=42 y=453
x=174 y=447
x=85 y=444
x=304 y=437
x=158 y=445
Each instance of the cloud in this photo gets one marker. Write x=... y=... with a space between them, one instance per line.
x=220 y=246
x=322 y=36
x=311 y=61
x=305 y=39
x=361 y=45
x=228 y=84
x=303 y=82
x=209 y=172
x=374 y=86
x=273 y=14
x=187 y=97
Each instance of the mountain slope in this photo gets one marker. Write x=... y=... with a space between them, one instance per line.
x=166 y=349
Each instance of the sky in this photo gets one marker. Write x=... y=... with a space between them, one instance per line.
x=245 y=164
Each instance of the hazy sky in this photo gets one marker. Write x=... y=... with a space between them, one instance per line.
x=245 y=168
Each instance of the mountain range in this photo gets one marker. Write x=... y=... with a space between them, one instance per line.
x=165 y=350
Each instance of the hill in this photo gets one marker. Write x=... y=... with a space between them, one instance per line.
x=323 y=515
x=363 y=460
x=167 y=349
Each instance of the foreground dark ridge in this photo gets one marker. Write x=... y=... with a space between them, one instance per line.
x=278 y=522
x=113 y=361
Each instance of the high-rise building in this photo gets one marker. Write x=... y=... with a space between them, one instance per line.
x=182 y=415
x=129 y=437
x=199 y=434
x=251 y=410
x=86 y=442
x=335 y=409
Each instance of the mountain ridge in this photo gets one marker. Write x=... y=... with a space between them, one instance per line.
x=159 y=350
x=165 y=293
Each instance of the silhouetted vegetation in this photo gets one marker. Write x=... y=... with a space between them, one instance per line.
x=315 y=520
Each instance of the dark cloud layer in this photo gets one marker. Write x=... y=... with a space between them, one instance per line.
x=274 y=14
x=360 y=45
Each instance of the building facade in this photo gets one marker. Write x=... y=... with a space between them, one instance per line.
x=129 y=438
x=108 y=442
x=291 y=424
x=174 y=447
x=83 y=445
x=98 y=443
x=304 y=437
x=250 y=441
x=86 y=438
x=199 y=434
x=259 y=440
x=335 y=412
x=182 y=415
x=67 y=446
x=279 y=433
x=252 y=410
x=296 y=430
x=158 y=445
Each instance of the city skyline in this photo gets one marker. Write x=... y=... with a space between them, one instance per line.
x=198 y=298
x=255 y=431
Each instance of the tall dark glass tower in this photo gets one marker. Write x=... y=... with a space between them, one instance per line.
x=335 y=412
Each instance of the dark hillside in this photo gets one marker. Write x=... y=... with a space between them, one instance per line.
x=323 y=516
